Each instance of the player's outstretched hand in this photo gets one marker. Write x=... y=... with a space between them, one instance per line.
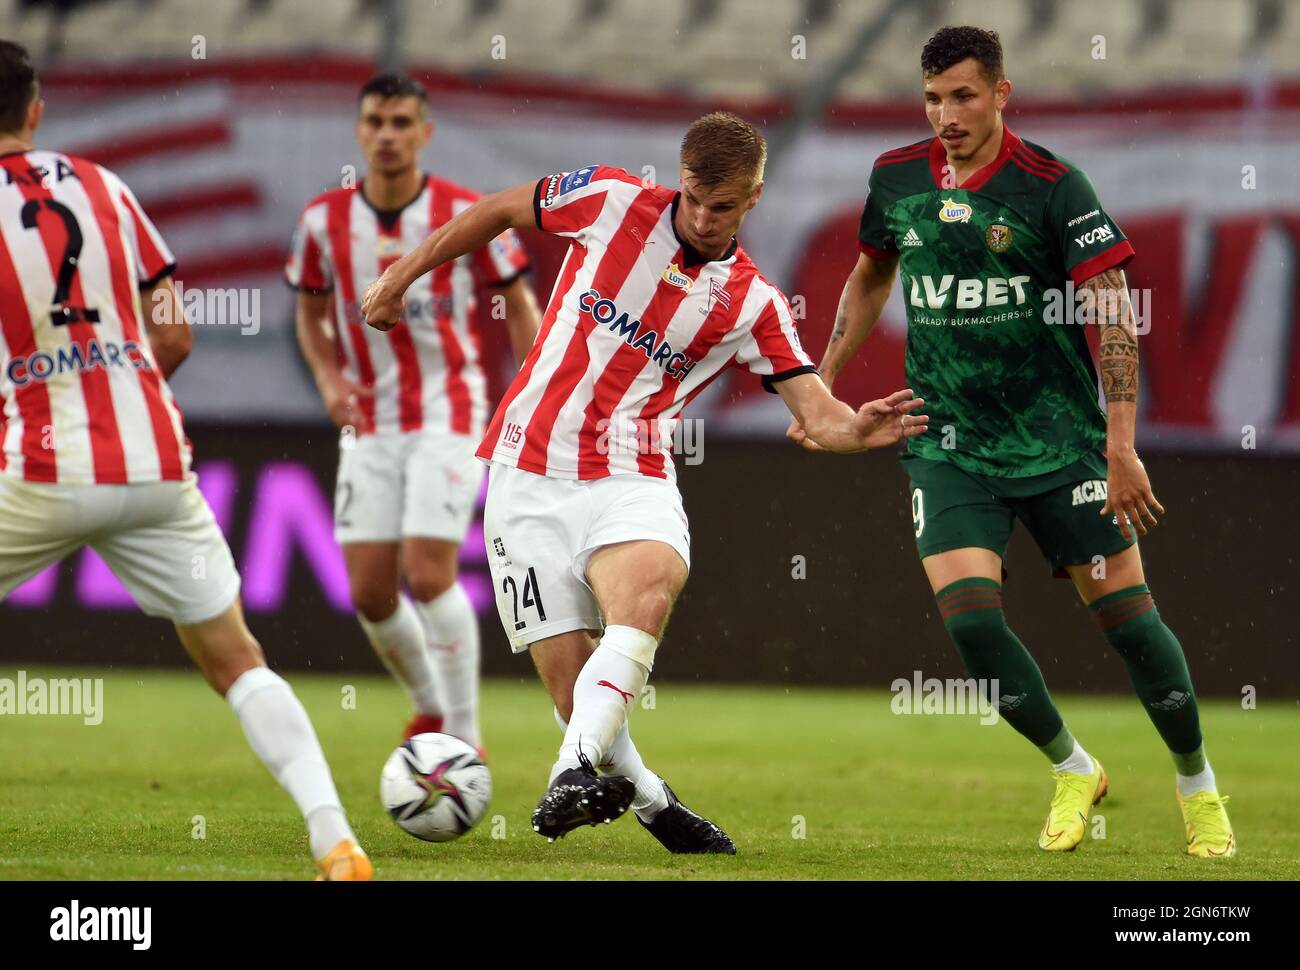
x=1128 y=495
x=799 y=436
x=383 y=303
x=891 y=419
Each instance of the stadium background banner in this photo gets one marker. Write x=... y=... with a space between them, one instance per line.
x=804 y=569
x=224 y=170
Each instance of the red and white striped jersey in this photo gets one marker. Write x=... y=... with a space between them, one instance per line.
x=426 y=371
x=638 y=325
x=84 y=401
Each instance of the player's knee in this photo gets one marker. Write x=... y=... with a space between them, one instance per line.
x=1133 y=639
x=648 y=608
x=427 y=585
x=376 y=603
x=1128 y=620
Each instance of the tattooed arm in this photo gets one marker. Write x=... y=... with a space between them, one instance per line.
x=862 y=300
x=1128 y=493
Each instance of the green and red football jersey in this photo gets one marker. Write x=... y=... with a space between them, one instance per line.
x=1009 y=393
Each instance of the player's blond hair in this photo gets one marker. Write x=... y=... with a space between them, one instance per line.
x=722 y=147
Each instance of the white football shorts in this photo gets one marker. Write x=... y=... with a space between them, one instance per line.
x=417 y=483
x=159 y=538
x=541 y=531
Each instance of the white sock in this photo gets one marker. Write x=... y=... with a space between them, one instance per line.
x=451 y=633
x=609 y=683
x=280 y=733
x=1079 y=762
x=624 y=759
x=1189 y=785
x=399 y=643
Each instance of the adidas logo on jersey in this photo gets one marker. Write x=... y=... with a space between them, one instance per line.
x=912 y=239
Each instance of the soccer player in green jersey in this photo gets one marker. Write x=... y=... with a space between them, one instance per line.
x=991 y=235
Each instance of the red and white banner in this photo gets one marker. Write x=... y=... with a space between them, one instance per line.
x=224 y=157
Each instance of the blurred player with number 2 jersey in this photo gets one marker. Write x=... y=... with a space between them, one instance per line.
x=92 y=448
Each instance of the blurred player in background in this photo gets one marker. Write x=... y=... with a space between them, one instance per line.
x=93 y=449
x=986 y=227
x=411 y=402
x=584 y=522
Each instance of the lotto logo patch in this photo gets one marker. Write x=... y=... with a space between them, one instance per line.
x=388 y=246
x=676 y=277
x=950 y=211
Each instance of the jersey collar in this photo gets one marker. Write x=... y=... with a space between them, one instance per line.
x=690 y=255
x=388 y=217
x=978 y=179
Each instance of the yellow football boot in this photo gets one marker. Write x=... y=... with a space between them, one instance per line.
x=1209 y=833
x=1067 y=820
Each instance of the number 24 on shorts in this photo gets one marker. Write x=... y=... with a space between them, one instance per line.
x=532 y=597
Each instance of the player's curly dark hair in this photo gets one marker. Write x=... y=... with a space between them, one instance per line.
x=17 y=85
x=952 y=45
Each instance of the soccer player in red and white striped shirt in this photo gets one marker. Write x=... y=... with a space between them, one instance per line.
x=411 y=402
x=92 y=448
x=654 y=300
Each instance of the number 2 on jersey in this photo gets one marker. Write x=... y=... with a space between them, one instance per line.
x=61 y=313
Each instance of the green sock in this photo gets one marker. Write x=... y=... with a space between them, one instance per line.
x=1060 y=747
x=972 y=613
x=1192 y=763
x=1158 y=669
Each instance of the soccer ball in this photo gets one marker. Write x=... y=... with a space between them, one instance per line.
x=435 y=787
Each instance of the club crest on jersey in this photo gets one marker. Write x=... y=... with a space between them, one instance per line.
x=677 y=278
x=998 y=237
x=950 y=211
x=717 y=294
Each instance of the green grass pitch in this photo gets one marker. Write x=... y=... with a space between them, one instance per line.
x=811 y=784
